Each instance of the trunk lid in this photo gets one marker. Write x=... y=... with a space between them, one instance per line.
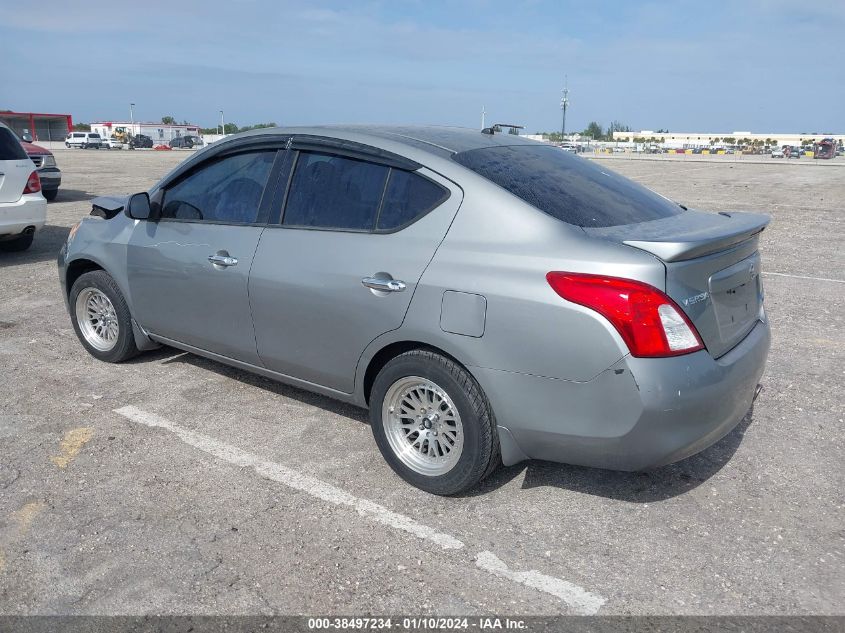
x=13 y=177
x=712 y=268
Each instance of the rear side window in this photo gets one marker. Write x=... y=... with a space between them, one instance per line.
x=408 y=197
x=10 y=147
x=567 y=187
x=228 y=190
x=335 y=192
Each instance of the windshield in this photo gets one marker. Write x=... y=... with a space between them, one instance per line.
x=572 y=189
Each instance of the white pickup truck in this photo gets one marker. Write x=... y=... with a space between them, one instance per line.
x=23 y=209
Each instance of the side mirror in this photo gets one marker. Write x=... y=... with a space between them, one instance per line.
x=27 y=137
x=138 y=207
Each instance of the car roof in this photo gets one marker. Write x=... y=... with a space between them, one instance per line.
x=439 y=140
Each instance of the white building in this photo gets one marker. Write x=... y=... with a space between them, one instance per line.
x=159 y=132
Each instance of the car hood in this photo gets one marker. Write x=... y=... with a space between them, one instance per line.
x=35 y=150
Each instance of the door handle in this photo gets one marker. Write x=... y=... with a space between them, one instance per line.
x=385 y=285
x=223 y=260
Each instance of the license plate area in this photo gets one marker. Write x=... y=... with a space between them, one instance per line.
x=737 y=293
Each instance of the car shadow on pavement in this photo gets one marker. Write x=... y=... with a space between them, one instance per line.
x=306 y=397
x=648 y=486
x=48 y=240
x=72 y=195
x=639 y=487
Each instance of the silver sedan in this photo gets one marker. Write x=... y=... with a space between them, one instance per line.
x=490 y=299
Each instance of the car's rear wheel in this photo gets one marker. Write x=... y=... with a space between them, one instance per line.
x=101 y=318
x=18 y=244
x=432 y=423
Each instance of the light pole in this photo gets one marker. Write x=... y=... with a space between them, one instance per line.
x=483 y=114
x=564 y=103
x=132 y=118
x=222 y=125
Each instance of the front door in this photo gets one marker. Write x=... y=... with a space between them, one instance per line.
x=341 y=266
x=189 y=270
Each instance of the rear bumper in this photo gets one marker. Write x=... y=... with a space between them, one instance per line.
x=30 y=210
x=638 y=414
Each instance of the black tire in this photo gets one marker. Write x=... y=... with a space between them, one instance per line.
x=84 y=146
x=18 y=244
x=125 y=347
x=50 y=194
x=480 y=454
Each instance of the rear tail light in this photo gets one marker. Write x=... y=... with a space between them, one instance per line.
x=650 y=323
x=33 y=183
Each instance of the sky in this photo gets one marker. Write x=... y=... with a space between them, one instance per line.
x=682 y=65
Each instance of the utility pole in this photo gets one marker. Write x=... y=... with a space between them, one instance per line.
x=564 y=103
x=132 y=118
x=483 y=113
x=222 y=125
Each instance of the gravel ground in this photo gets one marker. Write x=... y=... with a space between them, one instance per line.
x=102 y=515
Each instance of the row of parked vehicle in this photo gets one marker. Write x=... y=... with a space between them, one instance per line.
x=93 y=140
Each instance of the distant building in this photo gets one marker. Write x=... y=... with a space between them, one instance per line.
x=159 y=132
x=43 y=127
x=706 y=139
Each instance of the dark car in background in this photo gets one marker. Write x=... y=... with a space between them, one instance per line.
x=140 y=140
x=186 y=142
x=45 y=163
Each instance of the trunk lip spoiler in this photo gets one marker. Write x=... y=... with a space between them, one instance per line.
x=688 y=235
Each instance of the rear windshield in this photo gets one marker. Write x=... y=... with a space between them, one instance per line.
x=567 y=187
x=94 y=135
x=10 y=147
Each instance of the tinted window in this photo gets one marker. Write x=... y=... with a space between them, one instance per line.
x=94 y=135
x=227 y=190
x=334 y=192
x=567 y=187
x=408 y=196
x=10 y=147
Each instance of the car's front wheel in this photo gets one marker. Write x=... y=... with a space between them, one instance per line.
x=101 y=318
x=432 y=423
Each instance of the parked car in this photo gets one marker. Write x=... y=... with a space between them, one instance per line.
x=187 y=142
x=110 y=142
x=489 y=298
x=794 y=152
x=23 y=210
x=44 y=161
x=83 y=140
x=777 y=152
x=140 y=140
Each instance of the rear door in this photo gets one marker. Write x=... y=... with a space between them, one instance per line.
x=340 y=266
x=15 y=167
x=188 y=271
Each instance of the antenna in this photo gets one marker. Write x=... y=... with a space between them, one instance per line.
x=564 y=103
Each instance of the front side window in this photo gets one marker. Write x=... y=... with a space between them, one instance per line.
x=228 y=190
x=335 y=192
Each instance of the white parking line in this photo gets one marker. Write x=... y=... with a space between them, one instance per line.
x=293 y=479
x=582 y=602
x=579 y=600
x=836 y=281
